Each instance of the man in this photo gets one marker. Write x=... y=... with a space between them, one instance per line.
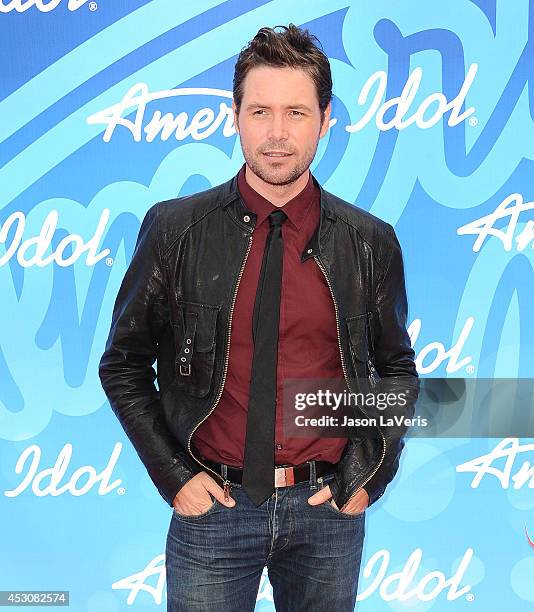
x=234 y=290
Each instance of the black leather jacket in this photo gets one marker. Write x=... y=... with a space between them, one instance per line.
x=175 y=305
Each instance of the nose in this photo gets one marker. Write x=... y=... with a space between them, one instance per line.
x=277 y=129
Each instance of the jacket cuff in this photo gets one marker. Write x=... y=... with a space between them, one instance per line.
x=374 y=491
x=169 y=484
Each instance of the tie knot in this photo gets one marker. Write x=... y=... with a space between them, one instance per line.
x=277 y=217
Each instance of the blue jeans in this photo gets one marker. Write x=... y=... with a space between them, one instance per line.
x=214 y=560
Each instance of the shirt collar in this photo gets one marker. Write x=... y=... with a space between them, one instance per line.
x=296 y=209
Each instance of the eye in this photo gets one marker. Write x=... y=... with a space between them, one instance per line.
x=261 y=110
x=298 y=112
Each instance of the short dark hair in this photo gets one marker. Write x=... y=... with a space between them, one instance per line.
x=292 y=47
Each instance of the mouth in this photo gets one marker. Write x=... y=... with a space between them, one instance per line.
x=277 y=154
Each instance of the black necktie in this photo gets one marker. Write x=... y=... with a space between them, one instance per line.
x=258 y=465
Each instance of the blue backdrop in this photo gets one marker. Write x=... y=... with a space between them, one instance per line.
x=107 y=107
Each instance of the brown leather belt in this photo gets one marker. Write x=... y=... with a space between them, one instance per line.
x=284 y=475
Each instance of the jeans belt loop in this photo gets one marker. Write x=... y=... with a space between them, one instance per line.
x=224 y=471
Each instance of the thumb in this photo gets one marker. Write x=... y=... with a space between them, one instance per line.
x=320 y=497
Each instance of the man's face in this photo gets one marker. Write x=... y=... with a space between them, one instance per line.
x=279 y=115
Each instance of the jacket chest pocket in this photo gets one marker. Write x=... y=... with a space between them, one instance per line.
x=361 y=347
x=194 y=334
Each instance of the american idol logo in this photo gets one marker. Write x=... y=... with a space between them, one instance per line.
x=45 y=7
x=31 y=251
x=206 y=121
x=510 y=209
x=407 y=585
x=401 y=586
x=508 y=449
x=430 y=357
x=52 y=481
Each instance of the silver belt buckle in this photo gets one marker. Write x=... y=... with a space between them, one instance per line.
x=284 y=477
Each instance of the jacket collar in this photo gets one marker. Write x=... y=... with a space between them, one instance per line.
x=231 y=200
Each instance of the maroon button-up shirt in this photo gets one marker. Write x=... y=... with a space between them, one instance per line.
x=307 y=343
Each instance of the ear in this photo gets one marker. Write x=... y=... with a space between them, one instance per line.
x=234 y=109
x=326 y=120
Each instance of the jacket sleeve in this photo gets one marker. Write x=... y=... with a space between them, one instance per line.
x=140 y=314
x=394 y=357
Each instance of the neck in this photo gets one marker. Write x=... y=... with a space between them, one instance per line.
x=276 y=194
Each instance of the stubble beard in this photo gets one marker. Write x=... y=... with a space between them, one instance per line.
x=279 y=176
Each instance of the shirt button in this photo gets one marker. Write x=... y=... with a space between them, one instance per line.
x=278 y=446
x=309 y=251
x=246 y=218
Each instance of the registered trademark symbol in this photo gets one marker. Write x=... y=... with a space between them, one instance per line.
x=109 y=261
x=121 y=491
x=470 y=597
x=470 y=369
x=93 y=6
x=473 y=121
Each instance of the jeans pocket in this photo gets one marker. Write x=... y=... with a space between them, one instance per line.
x=322 y=482
x=187 y=517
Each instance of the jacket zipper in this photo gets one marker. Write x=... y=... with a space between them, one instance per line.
x=319 y=263
x=226 y=483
